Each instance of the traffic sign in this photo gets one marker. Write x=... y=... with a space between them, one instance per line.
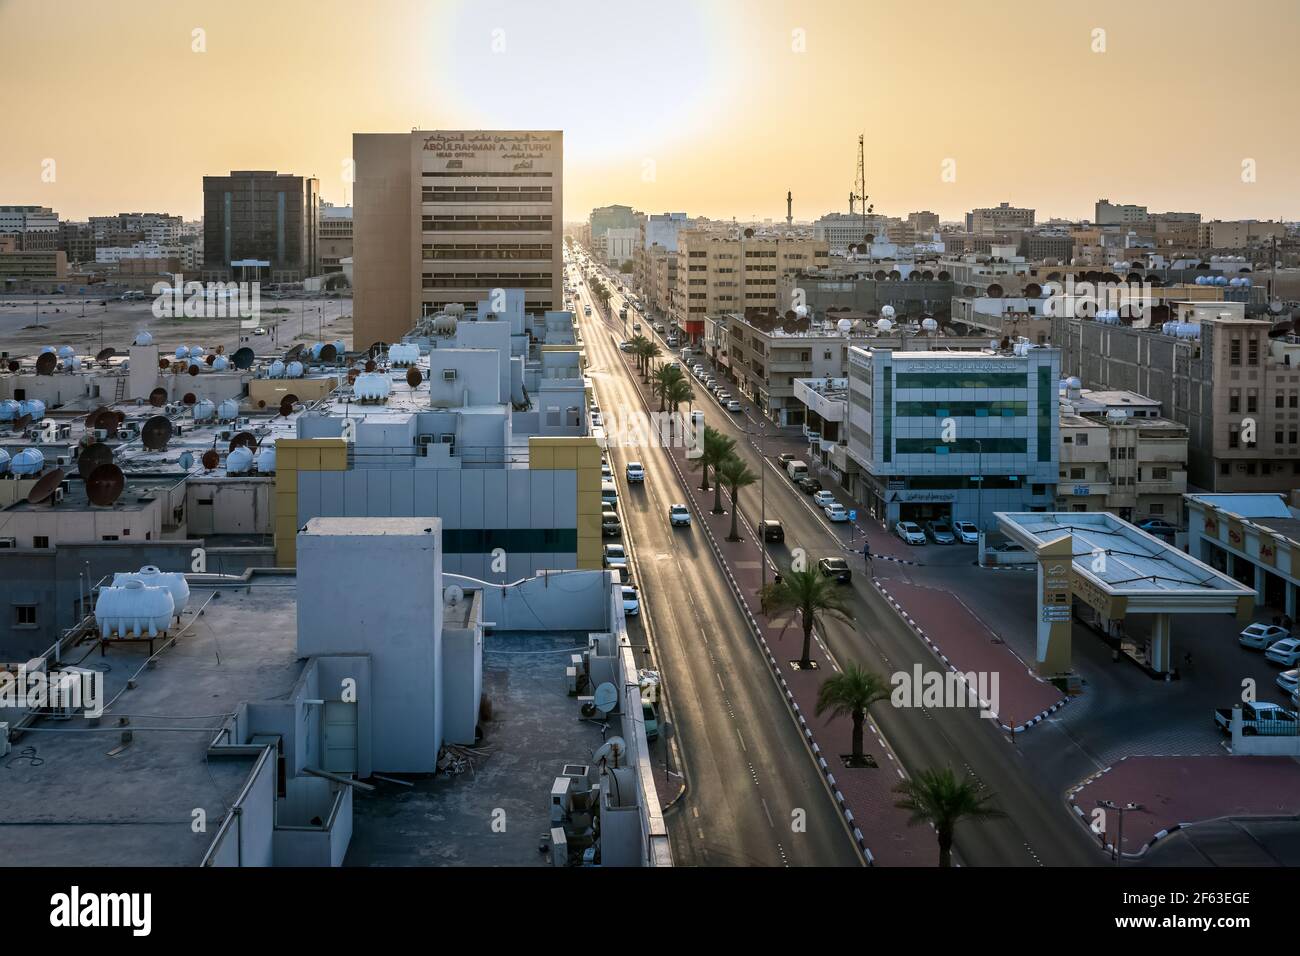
x=853 y=516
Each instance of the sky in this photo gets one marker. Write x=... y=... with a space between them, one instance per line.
x=711 y=107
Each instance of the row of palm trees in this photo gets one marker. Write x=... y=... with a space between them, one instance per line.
x=718 y=456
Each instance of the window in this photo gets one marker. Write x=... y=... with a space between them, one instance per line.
x=24 y=615
x=1252 y=354
x=1081 y=439
x=109 y=537
x=1278 y=400
x=40 y=541
x=1078 y=474
x=1233 y=440
x=1225 y=468
x=1234 y=403
x=1159 y=474
x=1158 y=509
x=1234 y=352
x=1252 y=403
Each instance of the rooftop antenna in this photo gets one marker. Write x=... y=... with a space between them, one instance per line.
x=789 y=209
x=859 y=194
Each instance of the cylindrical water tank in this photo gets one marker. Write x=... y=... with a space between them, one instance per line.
x=294 y=370
x=239 y=461
x=197 y=351
x=276 y=370
x=929 y=325
x=182 y=352
x=66 y=351
x=71 y=363
x=266 y=461
x=203 y=410
x=4 y=461
x=143 y=337
x=29 y=461
x=228 y=409
x=403 y=354
x=340 y=347
x=372 y=386
x=8 y=410
x=33 y=407
x=48 y=348
x=133 y=609
x=887 y=312
x=220 y=363
x=172 y=581
x=315 y=350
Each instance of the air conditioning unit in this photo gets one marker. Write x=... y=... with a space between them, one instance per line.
x=101 y=434
x=125 y=434
x=8 y=542
x=449 y=375
x=173 y=408
x=425 y=439
x=225 y=434
x=65 y=430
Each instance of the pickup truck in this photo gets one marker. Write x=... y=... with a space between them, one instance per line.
x=1259 y=719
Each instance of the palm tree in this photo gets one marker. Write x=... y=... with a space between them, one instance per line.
x=717 y=448
x=937 y=797
x=849 y=694
x=650 y=351
x=735 y=474
x=664 y=378
x=679 y=390
x=813 y=596
x=638 y=342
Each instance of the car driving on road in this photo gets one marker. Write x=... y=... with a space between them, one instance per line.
x=635 y=471
x=773 y=531
x=679 y=516
x=836 y=568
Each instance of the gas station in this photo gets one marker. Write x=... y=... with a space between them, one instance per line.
x=1116 y=570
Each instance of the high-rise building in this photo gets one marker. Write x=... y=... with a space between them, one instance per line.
x=449 y=216
x=156 y=227
x=1003 y=216
x=335 y=236
x=1106 y=213
x=36 y=228
x=260 y=224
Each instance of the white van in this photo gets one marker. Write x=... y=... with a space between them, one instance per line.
x=796 y=469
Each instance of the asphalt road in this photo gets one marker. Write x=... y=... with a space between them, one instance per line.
x=1037 y=829
x=747 y=767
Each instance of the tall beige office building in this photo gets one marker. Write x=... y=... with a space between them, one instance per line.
x=443 y=216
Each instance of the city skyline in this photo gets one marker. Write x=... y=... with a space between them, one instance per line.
x=691 y=128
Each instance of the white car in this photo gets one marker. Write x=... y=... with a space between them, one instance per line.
x=910 y=532
x=679 y=516
x=631 y=601
x=966 y=532
x=823 y=499
x=615 y=556
x=635 y=471
x=1289 y=681
x=1285 y=652
x=709 y=382
x=1260 y=636
x=259 y=331
x=836 y=512
x=606 y=474
x=734 y=406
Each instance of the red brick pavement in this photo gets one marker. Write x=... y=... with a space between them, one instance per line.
x=967 y=644
x=1183 y=790
x=866 y=796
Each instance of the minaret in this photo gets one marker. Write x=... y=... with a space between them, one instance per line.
x=789 y=209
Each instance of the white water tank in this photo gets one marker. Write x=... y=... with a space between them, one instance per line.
x=66 y=351
x=133 y=609
x=33 y=407
x=143 y=337
x=403 y=354
x=4 y=461
x=340 y=347
x=887 y=312
x=266 y=461
x=228 y=409
x=372 y=387
x=29 y=461
x=883 y=325
x=8 y=410
x=293 y=370
x=203 y=410
x=182 y=352
x=239 y=461
x=197 y=351
x=220 y=363
x=276 y=370
x=930 y=325
x=171 y=581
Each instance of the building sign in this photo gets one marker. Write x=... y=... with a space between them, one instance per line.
x=1109 y=606
x=1081 y=491
x=929 y=497
x=520 y=148
x=1211 y=524
x=1236 y=535
x=1267 y=550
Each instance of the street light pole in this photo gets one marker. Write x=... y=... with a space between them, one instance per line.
x=1121 y=810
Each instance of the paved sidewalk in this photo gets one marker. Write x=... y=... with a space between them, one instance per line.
x=866 y=796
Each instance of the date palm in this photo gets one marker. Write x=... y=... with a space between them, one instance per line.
x=812 y=596
x=679 y=391
x=717 y=448
x=937 y=797
x=851 y=693
x=735 y=474
x=650 y=351
x=664 y=378
x=638 y=343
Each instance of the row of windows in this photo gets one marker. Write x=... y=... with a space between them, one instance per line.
x=430 y=196
x=962 y=446
x=961 y=409
x=535 y=254
x=486 y=223
x=962 y=380
x=476 y=280
x=964 y=483
x=463 y=174
x=511 y=540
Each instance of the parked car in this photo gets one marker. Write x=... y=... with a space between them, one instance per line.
x=910 y=532
x=940 y=532
x=823 y=498
x=631 y=601
x=809 y=485
x=606 y=473
x=836 y=568
x=1260 y=636
x=1157 y=526
x=735 y=406
x=796 y=469
x=650 y=715
x=609 y=495
x=1259 y=719
x=586 y=310
x=609 y=524
x=679 y=516
x=635 y=471
x=773 y=531
x=966 y=532
x=1285 y=652
x=836 y=512
x=1289 y=681
x=784 y=459
x=615 y=556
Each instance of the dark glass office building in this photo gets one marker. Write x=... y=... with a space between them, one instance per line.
x=264 y=220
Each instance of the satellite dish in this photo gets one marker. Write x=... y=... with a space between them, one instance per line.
x=328 y=353
x=370 y=365
x=243 y=358
x=287 y=403
x=106 y=420
x=210 y=459
x=105 y=354
x=158 y=397
x=46 y=486
x=210 y=358
x=189 y=398
x=611 y=751
x=156 y=432
x=46 y=362
x=187 y=460
x=91 y=457
x=164 y=363
x=246 y=439
x=453 y=594
x=606 y=698
x=105 y=484
x=293 y=353
x=413 y=377
x=93 y=416
x=194 y=369
x=14 y=365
